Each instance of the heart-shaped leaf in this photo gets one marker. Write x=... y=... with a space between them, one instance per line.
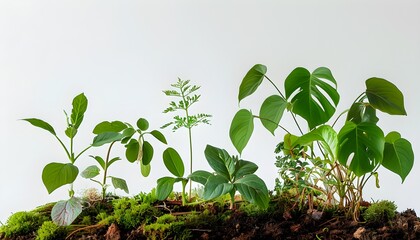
x=385 y=96
x=361 y=147
x=254 y=190
x=314 y=96
x=115 y=126
x=66 y=211
x=271 y=112
x=241 y=129
x=251 y=81
x=173 y=162
x=398 y=155
x=56 y=175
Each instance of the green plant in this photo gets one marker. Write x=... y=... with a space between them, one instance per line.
x=344 y=161
x=188 y=98
x=51 y=231
x=137 y=149
x=380 y=212
x=231 y=174
x=130 y=214
x=22 y=223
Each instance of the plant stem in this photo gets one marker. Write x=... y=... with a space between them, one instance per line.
x=184 y=183
x=255 y=116
x=64 y=146
x=105 y=171
x=84 y=150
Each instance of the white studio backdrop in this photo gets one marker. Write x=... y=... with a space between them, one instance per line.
x=122 y=54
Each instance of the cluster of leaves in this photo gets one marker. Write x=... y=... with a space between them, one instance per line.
x=349 y=157
x=21 y=223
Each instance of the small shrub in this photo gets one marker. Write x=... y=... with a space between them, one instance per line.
x=129 y=213
x=50 y=231
x=22 y=223
x=380 y=212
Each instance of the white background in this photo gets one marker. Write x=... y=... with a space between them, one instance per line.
x=122 y=54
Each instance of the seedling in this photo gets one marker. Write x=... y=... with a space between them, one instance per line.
x=188 y=98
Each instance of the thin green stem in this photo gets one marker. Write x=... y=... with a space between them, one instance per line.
x=297 y=124
x=255 y=116
x=64 y=146
x=184 y=184
x=84 y=150
x=71 y=151
x=106 y=171
x=341 y=114
x=278 y=90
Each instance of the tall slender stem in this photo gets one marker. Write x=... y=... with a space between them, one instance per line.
x=106 y=171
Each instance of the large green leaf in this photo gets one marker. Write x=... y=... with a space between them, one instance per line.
x=398 y=155
x=164 y=187
x=220 y=161
x=119 y=183
x=325 y=135
x=216 y=186
x=307 y=93
x=200 y=176
x=173 y=162
x=241 y=129
x=362 y=112
x=90 y=172
x=271 y=112
x=80 y=104
x=251 y=81
x=114 y=126
x=385 y=96
x=132 y=150
x=56 y=175
x=147 y=153
x=244 y=168
x=254 y=190
x=41 y=124
x=361 y=146
x=105 y=138
x=159 y=136
x=66 y=211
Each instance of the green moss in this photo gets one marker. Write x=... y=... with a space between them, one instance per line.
x=380 y=212
x=173 y=230
x=50 y=231
x=129 y=213
x=167 y=218
x=86 y=220
x=22 y=223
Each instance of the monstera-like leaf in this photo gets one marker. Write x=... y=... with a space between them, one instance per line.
x=361 y=146
x=314 y=96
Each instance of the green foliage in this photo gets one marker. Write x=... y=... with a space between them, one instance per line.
x=50 y=231
x=22 y=223
x=322 y=162
x=147 y=197
x=66 y=211
x=188 y=97
x=380 y=212
x=129 y=213
x=160 y=230
x=232 y=174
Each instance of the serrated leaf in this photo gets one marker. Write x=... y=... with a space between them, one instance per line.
x=220 y=161
x=142 y=124
x=90 y=172
x=173 y=162
x=271 y=112
x=66 y=211
x=41 y=124
x=132 y=150
x=308 y=100
x=119 y=183
x=361 y=147
x=254 y=190
x=105 y=138
x=200 y=176
x=164 y=187
x=56 y=175
x=398 y=155
x=105 y=126
x=216 y=186
x=159 y=136
x=147 y=153
x=385 y=96
x=241 y=129
x=80 y=104
x=251 y=81
x=145 y=169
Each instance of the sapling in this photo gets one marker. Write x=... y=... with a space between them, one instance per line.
x=186 y=93
x=342 y=162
